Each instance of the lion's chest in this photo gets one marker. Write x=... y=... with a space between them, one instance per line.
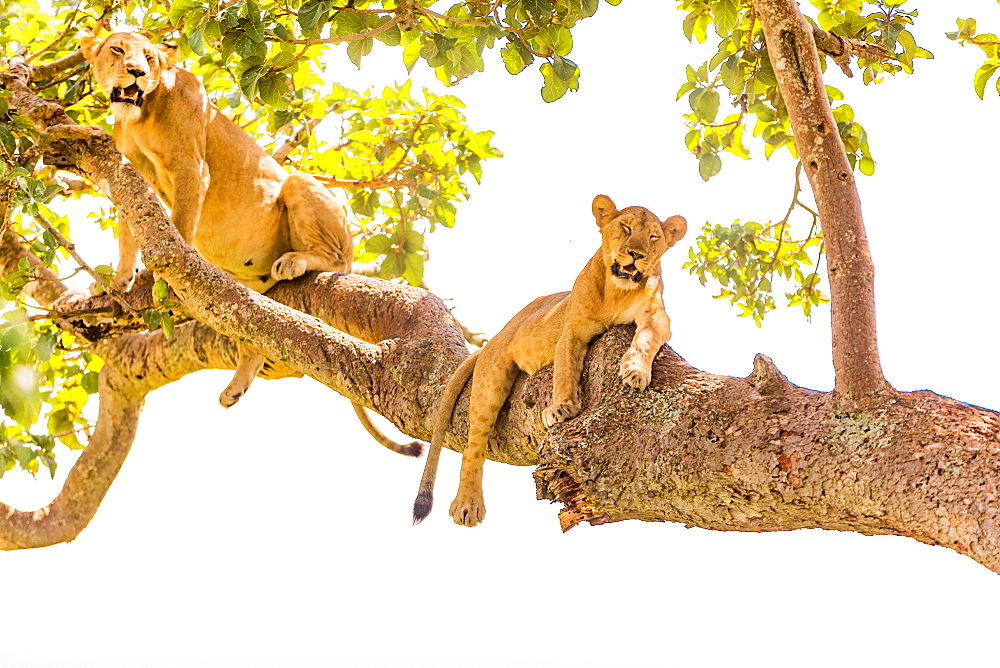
x=150 y=165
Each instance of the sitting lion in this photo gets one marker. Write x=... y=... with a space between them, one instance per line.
x=229 y=199
x=620 y=284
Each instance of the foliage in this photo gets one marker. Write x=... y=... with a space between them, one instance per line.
x=402 y=158
x=989 y=43
x=744 y=258
x=741 y=69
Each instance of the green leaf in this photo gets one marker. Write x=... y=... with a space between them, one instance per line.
x=709 y=164
x=554 y=87
x=180 y=7
x=196 y=41
x=358 y=49
x=7 y=139
x=540 y=11
x=167 y=323
x=414 y=272
x=249 y=79
x=160 y=290
x=727 y=14
x=379 y=244
x=310 y=14
x=393 y=36
x=512 y=60
x=411 y=52
x=983 y=75
x=273 y=89
x=152 y=318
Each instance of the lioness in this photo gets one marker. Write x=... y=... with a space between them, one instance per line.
x=229 y=199
x=620 y=284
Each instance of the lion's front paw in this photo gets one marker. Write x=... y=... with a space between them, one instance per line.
x=288 y=266
x=121 y=283
x=560 y=412
x=635 y=374
x=468 y=508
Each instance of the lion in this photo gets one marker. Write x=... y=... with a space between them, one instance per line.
x=229 y=199
x=621 y=284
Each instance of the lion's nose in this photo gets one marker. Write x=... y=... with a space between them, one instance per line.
x=636 y=255
x=136 y=72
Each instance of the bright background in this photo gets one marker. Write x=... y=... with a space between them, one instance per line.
x=278 y=534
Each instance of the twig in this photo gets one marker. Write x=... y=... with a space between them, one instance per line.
x=337 y=40
x=46 y=83
x=296 y=139
x=840 y=49
x=466 y=22
x=71 y=249
x=58 y=315
x=69 y=26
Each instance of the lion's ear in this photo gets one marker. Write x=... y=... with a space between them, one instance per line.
x=168 y=53
x=604 y=209
x=90 y=43
x=674 y=229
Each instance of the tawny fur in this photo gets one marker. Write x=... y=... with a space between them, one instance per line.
x=229 y=199
x=621 y=284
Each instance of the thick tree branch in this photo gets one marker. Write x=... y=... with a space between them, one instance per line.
x=793 y=55
x=761 y=454
x=87 y=482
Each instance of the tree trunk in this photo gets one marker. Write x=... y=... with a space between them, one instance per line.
x=793 y=55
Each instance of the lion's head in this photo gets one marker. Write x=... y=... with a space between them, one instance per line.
x=633 y=239
x=128 y=66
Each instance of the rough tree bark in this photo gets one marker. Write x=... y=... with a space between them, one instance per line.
x=792 y=50
x=753 y=454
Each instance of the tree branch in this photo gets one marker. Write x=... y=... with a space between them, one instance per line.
x=793 y=54
x=87 y=482
x=840 y=49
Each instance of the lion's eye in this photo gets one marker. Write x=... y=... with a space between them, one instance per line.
x=653 y=237
x=149 y=57
x=115 y=50
x=628 y=230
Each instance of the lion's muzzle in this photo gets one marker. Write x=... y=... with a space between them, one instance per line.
x=129 y=95
x=630 y=272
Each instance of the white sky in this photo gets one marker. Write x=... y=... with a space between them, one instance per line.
x=278 y=534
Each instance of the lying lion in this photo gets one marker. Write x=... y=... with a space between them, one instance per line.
x=229 y=199
x=620 y=284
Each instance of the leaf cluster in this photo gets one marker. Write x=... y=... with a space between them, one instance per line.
x=746 y=258
x=990 y=45
x=734 y=95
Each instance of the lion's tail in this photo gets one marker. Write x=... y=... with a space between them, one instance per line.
x=412 y=449
x=442 y=419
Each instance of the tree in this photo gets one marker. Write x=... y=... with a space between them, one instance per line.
x=724 y=453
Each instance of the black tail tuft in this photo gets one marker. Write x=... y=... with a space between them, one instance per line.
x=414 y=449
x=422 y=507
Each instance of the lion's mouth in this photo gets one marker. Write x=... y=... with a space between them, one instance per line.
x=630 y=272
x=128 y=95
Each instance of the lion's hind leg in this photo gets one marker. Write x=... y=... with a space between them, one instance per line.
x=248 y=366
x=491 y=385
x=317 y=229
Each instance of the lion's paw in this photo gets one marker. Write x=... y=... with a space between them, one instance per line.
x=635 y=374
x=468 y=508
x=560 y=412
x=230 y=396
x=122 y=284
x=288 y=266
